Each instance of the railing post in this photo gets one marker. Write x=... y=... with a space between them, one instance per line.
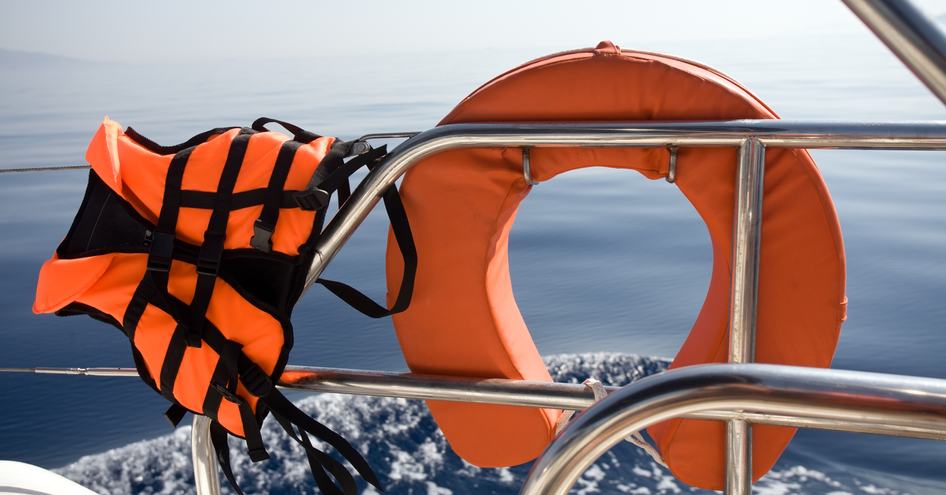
x=747 y=234
x=206 y=481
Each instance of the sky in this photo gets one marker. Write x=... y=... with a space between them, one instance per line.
x=124 y=31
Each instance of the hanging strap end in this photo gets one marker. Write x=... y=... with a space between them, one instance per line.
x=175 y=414
x=259 y=454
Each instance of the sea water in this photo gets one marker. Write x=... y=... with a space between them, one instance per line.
x=601 y=260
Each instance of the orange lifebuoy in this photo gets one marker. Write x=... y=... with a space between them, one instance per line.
x=462 y=205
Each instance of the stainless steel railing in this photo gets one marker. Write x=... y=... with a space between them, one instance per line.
x=752 y=137
x=910 y=35
x=922 y=47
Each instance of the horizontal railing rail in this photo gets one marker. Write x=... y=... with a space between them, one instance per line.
x=769 y=133
x=499 y=391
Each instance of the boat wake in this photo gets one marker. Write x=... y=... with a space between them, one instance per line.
x=410 y=455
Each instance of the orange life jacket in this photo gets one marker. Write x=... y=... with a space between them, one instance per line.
x=198 y=252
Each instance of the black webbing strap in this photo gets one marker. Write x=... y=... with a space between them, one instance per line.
x=218 y=438
x=251 y=428
x=161 y=251
x=299 y=134
x=242 y=199
x=155 y=281
x=146 y=293
x=337 y=469
x=136 y=307
x=266 y=223
x=220 y=376
x=223 y=383
x=211 y=250
x=279 y=405
x=258 y=383
x=315 y=196
x=332 y=174
x=175 y=414
x=142 y=367
x=167 y=150
x=321 y=463
x=405 y=243
x=336 y=174
x=344 y=191
x=172 y=361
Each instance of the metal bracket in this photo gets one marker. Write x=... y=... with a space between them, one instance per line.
x=672 y=166
x=359 y=147
x=527 y=167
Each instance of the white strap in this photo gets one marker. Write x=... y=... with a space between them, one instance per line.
x=635 y=438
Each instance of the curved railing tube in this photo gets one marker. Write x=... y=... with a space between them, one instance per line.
x=869 y=398
x=768 y=133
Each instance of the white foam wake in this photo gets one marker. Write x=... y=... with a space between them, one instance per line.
x=402 y=442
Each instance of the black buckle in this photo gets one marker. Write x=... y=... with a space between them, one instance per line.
x=312 y=199
x=228 y=394
x=161 y=252
x=208 y=257
x=262 y=237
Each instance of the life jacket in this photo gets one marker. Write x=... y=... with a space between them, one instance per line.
x=198 y=253
x=462 y=204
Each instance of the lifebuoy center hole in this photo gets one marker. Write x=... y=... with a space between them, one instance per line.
x=606 y=260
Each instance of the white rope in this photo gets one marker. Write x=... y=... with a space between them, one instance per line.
x=635 y=438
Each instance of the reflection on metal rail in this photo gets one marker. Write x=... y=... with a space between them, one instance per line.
x=867 y=398
x=744 y=298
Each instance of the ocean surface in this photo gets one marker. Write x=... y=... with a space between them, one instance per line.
x=602 y=260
